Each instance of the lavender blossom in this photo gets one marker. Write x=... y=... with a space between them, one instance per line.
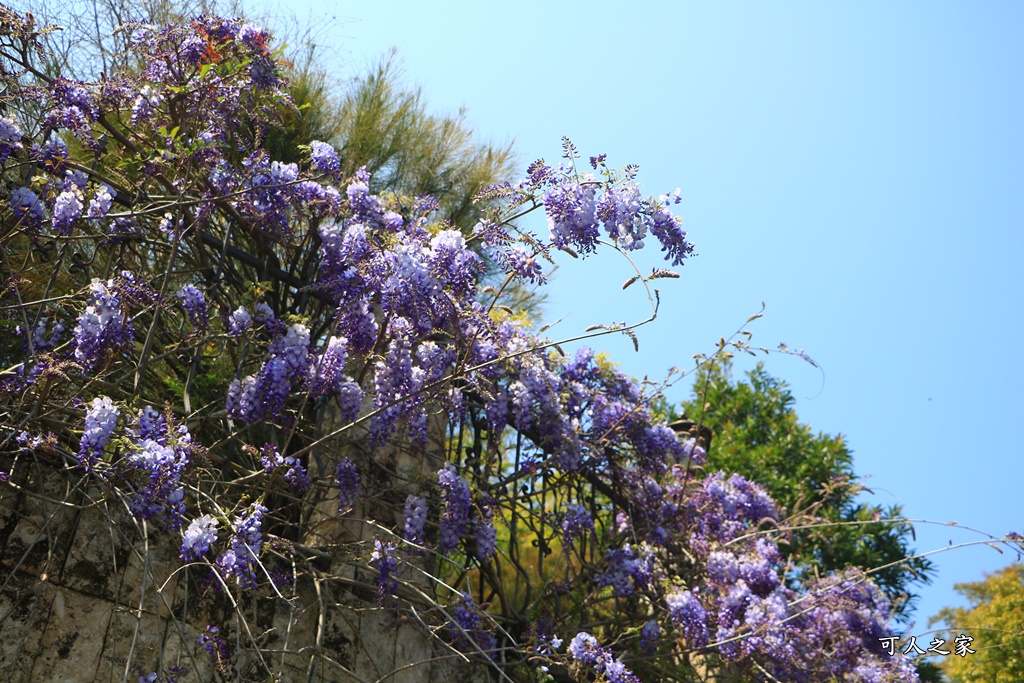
x=152 y=425
x=522 y=263
x=484 y=534
x=75 y=181
x=10 y=138
x=294 y=472
x=200 y=535
x=415 y=518
x=650 y=634
x=466 y=628
x=99 y=205
x=194 y=303
x=627 y=569
x=330 y=369
x=244 y=547
x=100 y=421
x=163 y=464
x=346 y=478
x=52 y=155
x=572 y=216
x=620 y=211
x=27 y=208
x=383 y=558
x=585 y=649
x=689 y=616
x=577 y=520
x=456 y=499
x=239 y=322
x=215 y=647
x=102 y=325
x=265 y=315
x=324 y=158
x=40 y=342
x=254 y=37
x=66 y=210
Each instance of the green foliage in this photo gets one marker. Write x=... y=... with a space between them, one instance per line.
x=379 y=124
x=995 y=619
x=758 y=434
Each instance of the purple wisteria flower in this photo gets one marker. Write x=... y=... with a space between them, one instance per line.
x=455 y=496
x=163 y=464
x=415 y=518
x=146 y=103
x=74 y=107
x=239 y=322
x=394 y=379
x=350 y=399
x=467 y=630
x=200 y=535
x=666 y=227
x=75 y=181
x=293 y=349
x=384 y=559
x=39 y=339
x=243 y=399
x=577 y=520
x=728 y=508
x=51 y=155
x=215 y=647
x=152 y=425
x=346 y=478
x=10 y=138
x=46 y=441
x=620 y=210
x=265 y=316
x=627 y=569
x=650 y=634
x=99 y=205
x=689 y=616
x=244 y=547
x=324 y=158
x=27 y=208
x=102 y=326
x=484 y=534
x=263 y=396
x=585 y=649
x=572 y=216
x=453 y=263
x=253 y=36
x=694 y=451
x=100 y=422
x=294 y=472
x=330 y=369
x=194 y=303
x=66 y=210
x=521 y=262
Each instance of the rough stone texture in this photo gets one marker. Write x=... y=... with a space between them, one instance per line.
x=87 y=594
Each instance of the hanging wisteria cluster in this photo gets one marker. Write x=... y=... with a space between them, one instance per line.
x=259 y=301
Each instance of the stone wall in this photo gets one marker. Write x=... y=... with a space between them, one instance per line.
x=87 y=594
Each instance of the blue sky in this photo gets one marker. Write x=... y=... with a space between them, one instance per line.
x=858 y=167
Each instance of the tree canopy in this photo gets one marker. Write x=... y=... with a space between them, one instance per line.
x=985 y=640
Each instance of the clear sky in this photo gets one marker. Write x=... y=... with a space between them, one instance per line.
x=858 y=167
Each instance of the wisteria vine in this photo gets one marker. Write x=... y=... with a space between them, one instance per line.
x=234 y=318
